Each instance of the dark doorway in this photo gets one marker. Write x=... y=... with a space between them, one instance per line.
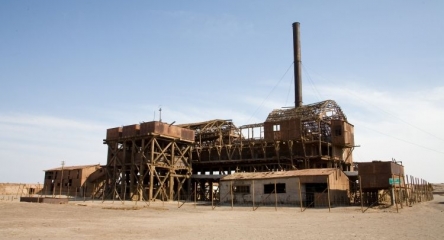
x=310 y=190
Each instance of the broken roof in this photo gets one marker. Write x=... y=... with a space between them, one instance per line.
x=325 y=110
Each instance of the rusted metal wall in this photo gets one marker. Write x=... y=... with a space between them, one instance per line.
x=376 y=174
x=130 y=130
x=113 y=133
x=166 y=130
x=342 y=133
x=288 y=130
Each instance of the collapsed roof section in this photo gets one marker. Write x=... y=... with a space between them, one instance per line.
x=216 y=129
x=326 y=110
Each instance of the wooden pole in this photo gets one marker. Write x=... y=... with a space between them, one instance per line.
x=124 y=194
x=103 y=192
x=231 y=194
x=61 y=180
x=93 y=192
x=211 y=195
x=360 y=194
x=275 y=196
x=114 y=191
x=401 y=194
x=195 y=194
x=328 y=193
x=178 y=196
x=38 y=198
x=407 y=201
x=300 y=192
x=253 y=196
x=413 y=190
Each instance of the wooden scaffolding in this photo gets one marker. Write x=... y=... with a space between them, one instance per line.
x=148 y=161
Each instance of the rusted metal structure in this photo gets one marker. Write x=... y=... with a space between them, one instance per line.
x=305 y=136
x=381 y=180
x=310 y=136
x=148 y=161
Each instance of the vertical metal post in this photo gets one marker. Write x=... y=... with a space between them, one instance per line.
x=393 y=193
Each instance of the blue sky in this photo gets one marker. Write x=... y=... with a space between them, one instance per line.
x=70 y=70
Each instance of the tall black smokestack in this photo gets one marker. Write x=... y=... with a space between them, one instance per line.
x=297 y=65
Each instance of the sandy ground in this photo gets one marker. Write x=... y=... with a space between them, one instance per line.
x=96 y=220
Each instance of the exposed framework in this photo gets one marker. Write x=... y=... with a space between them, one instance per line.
x=310 y=136
x=148 y=161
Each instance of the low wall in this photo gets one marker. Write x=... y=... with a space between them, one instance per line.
x=20 y=189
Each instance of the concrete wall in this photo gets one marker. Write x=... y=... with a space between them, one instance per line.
x=338 y=185
x=291 y=194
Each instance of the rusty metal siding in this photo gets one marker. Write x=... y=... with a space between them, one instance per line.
x=342 y=133
x=113 y=133
x=166 y=130
x=130 y=130
x=375 y=175
x=288 y=130
x=187 y=134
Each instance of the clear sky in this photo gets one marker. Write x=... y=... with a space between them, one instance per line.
x=71 y=69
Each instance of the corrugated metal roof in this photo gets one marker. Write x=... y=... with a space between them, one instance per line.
x=72 y=167
x=281 y=174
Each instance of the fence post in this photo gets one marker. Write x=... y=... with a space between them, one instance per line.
x=300 y=192
x=328 y=193
x=231 y=194
x=360 y=194
x=253 y=195
x=275 y=196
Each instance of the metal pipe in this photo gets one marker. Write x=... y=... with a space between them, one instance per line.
x=297 y=65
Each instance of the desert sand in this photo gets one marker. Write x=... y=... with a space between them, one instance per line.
x=108 y=220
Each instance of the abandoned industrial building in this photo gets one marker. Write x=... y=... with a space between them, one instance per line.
x=302 y=155
x=310 y=187
x=73 y=180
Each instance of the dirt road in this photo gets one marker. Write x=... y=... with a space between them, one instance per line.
x=79 y=220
